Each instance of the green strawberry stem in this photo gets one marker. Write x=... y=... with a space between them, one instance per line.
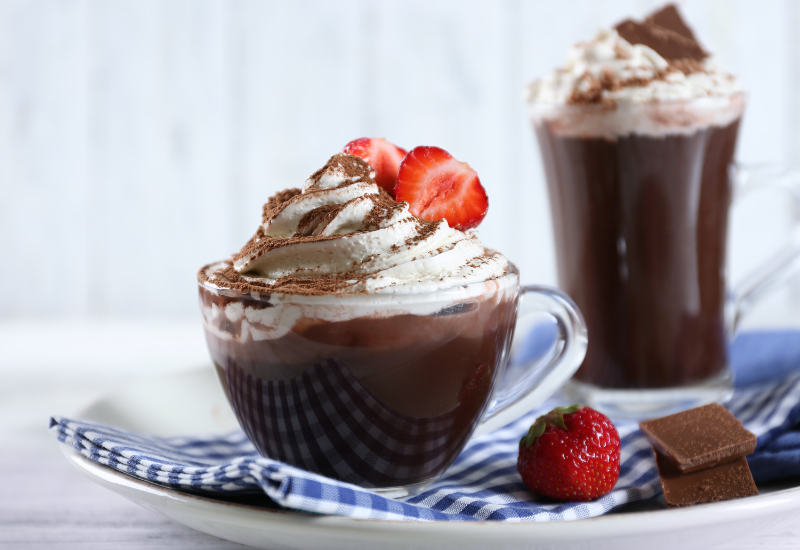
x=554 y=418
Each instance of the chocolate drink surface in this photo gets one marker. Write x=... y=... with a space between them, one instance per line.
x=640 y=223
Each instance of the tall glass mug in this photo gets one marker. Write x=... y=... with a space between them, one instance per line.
x=640 y=196
x=382 y=390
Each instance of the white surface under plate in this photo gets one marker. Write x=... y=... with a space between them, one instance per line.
x=193 y=403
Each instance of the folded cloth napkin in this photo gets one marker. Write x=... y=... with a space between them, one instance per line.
x=483 y=483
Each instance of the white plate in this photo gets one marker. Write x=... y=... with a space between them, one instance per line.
x=193 y=403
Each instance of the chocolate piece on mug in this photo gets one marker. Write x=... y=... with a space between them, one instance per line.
x=699 y=438
x=670 y=18
x=668 y=44
x=723 y=482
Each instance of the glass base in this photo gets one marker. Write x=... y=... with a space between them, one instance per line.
x=403 y=491
x=643 y=404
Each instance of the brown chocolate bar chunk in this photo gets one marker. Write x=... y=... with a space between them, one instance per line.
x=722 y=482
x=668 y=44
x=699 y=438
x=670 y=18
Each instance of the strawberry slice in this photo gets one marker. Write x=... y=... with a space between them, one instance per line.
x=437 y=186
x=383 y=156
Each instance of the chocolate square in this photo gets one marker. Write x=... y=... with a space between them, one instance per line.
x=668 y=44
x=699 y=438
x=670 y=18
x=722 y=482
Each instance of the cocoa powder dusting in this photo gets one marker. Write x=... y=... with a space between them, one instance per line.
x=425 y=229
x=328 y=216
x=315 y=217
x=228 y=278
x=276 y=203
x=592 y=92
x=383 y=207
x=351 y=168
x=610 y=81
x=257 y=247
x=587 y=90
x=348 y=166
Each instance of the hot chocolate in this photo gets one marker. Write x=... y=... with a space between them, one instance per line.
x=645 y=260
x=380 y=400
x=637 y=137
x=355 y=339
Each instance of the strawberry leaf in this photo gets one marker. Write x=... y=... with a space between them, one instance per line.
x=553 y=418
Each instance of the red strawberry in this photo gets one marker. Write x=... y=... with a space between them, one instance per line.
x=437 y=186
x=384 y=157
x=570 y=453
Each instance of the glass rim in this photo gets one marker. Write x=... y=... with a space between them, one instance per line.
x=470 y=290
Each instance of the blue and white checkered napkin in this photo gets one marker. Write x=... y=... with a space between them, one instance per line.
x=483 y=483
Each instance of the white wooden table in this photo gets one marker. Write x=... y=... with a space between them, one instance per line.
x=53 y=368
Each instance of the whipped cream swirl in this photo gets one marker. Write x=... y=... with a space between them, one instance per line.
x=638 y=73
x=342 y=233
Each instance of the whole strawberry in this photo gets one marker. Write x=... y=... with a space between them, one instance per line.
x=570 y=453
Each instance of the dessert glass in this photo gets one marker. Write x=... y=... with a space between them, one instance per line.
x=382 y=390
x=640 y=195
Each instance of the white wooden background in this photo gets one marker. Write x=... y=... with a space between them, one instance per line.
x=142 y=137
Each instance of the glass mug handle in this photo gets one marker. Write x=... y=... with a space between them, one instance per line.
x=541 y=377
x=777 y=270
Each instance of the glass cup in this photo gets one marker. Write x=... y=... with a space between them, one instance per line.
x=639 y=197
x=382 y=390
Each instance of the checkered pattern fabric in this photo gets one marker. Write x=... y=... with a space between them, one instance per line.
x=482 y=484
x=348 y=434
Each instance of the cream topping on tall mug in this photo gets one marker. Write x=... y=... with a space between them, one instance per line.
x=656 y=64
